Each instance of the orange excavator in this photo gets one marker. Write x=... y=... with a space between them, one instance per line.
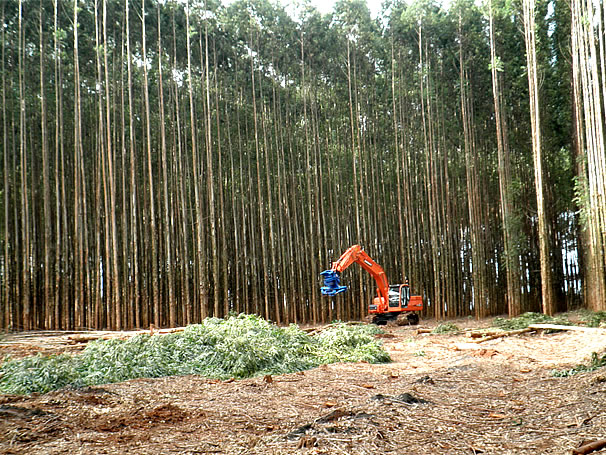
x=392 y=302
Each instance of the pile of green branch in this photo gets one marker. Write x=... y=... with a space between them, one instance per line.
x=238 y=347
x=596 y=363
x=526 y=319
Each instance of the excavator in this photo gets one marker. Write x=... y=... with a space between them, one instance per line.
x=392 y=302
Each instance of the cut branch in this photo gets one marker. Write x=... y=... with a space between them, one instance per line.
x=588 y=448
x=504 y=334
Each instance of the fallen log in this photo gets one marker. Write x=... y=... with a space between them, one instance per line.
x=311 y=331
x=85 y=338
x=481 y=334
x=165 y=331
x=574 y=328
x=334 y=415
x=503 y=334
x=588 y=448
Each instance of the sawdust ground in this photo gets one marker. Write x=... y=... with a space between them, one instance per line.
x=441 y=394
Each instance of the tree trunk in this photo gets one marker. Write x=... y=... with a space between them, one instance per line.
x=549 y=304
x=512 y=256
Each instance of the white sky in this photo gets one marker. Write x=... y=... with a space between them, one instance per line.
x=326 y=6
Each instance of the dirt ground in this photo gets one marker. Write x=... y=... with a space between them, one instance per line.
x=442 y=394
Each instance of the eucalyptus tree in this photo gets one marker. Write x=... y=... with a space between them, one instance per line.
x=6 y=315
x=134 y=254
x=473 y=168
x=549 y=306
x=114 y=303
x=511 y=253
x=591 y=161
x=101 y=208
x=201 y=292
x=169 y=266
x=46 y=184
x=61 y=226
x=24 y=189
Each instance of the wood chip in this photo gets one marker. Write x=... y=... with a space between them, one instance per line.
x=485 y=353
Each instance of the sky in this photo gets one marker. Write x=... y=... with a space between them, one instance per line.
x=326 y=6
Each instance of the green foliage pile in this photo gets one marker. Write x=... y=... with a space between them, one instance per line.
x=238 y=347
x=524 y=320
x=596 y=363
x=446 y=327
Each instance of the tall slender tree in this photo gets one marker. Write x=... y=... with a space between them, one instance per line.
x=512 y=256
x=547 y=288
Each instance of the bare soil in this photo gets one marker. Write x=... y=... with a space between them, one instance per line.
x=442 y=394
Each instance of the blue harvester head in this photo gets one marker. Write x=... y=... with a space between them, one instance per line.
x=332 y=283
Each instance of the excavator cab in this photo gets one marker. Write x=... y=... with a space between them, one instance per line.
x=394 y=296
x=404 y=295
x=399 y=295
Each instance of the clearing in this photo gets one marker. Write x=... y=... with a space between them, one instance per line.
x=442 y=394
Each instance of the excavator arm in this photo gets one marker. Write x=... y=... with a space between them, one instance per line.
x=354 y=254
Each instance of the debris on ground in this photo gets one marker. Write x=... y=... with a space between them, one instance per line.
x=459 y=398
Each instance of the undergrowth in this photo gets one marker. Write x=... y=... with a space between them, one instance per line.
x=446 y=327
x=596 y=363
x=237 y=347
x=524 y=320
x=593 y=319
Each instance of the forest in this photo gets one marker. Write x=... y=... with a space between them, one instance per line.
x=164 y=161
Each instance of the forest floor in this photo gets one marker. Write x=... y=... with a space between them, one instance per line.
x=442 y=394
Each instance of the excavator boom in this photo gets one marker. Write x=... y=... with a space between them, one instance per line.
x=354 y=254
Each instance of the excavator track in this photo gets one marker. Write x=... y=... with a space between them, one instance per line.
x=401 y=318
